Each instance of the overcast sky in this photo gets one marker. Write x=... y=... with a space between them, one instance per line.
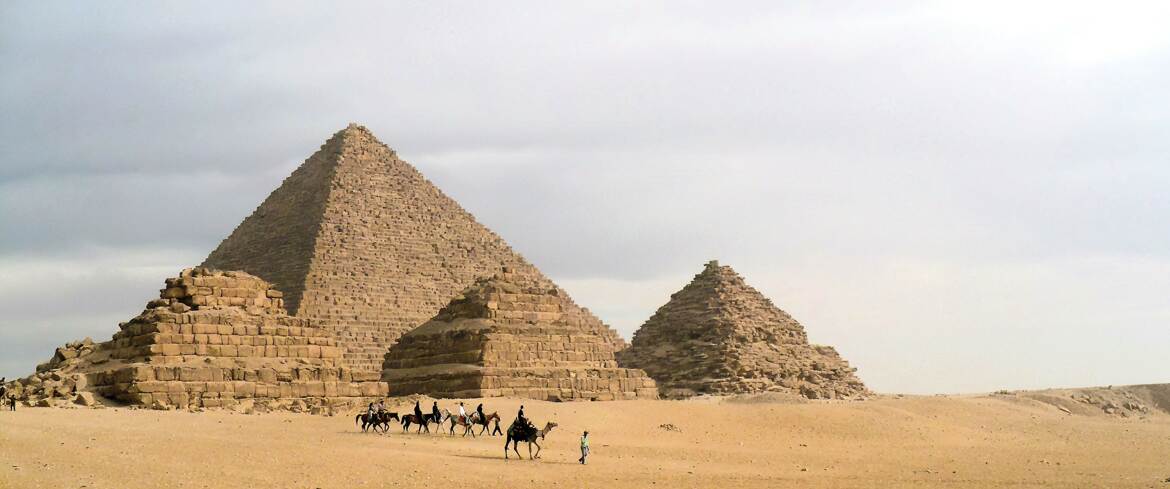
x=959 y=196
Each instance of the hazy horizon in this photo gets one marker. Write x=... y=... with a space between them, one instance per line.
x=959 y=198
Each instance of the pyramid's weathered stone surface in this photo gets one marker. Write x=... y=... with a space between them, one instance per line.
x=719 y=335
x=212 y=339
x=511 y=335
x=362 y=243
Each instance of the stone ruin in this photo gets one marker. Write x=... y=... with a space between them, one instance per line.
x=511 y=335
x=213 y=339
x=366 y=247
x=718 y=335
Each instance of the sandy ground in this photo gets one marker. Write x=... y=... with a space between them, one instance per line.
x=911 y=442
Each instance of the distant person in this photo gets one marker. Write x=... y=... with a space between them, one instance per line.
x=418 y=413
x=463 y=413
x=371 y=413
x=584 y=448
x=435 y=412
x=12 y=402
x=479 y=410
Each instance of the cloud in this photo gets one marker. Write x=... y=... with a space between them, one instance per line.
x=927 y=186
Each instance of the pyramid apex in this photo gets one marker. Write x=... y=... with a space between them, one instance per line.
x=712 y=264
x=354 y=127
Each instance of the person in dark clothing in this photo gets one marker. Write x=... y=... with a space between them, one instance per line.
x=435 y=412
x=482 y=418
x=12 y=402
x=418 y=413
x=523 y=421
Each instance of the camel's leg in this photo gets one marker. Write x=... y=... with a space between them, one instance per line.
x=516 y=447
x=530 y=451
x=537 y=449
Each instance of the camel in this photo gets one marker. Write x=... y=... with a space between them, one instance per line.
x=519 y=433
x=378 y=420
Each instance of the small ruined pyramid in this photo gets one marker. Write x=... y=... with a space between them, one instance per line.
x=363 y=244
x=212 y=339
x=718 y=335
x=511 y=335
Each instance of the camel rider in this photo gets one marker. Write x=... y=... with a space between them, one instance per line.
x=482 y=418
x=522 y=421
x=418 y=413
x=463 y=413
x=435 y=412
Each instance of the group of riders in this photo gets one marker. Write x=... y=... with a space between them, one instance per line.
x=377 y=411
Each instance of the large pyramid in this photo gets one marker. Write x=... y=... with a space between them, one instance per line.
x=363 y=244
x=510 y=335
x=719 y=335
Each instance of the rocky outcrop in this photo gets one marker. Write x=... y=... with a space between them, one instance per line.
x=511 y=335
x=719 y=335
x=365 y=246
x=212 y=339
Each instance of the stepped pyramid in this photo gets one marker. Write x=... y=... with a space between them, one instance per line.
x=719 y=335
x=510 y=335
x=363 y=244
x=212 y=339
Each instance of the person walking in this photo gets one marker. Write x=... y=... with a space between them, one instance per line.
x=584 y=448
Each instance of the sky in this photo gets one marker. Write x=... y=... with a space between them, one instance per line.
x=960 y=197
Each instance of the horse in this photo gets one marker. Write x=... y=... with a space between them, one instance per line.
x=518 y=433
x=409 y=418
x=466 y=422
x=472 y=420
x=377 y=420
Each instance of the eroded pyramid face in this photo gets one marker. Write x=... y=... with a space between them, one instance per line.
x=510 y=335
x=719 y=335
x=361 y=242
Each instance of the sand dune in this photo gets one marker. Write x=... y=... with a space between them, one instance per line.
x=963 y=441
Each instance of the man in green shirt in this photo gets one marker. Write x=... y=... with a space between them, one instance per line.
x=584 y=447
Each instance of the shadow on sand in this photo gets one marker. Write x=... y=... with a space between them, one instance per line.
x=501 y=458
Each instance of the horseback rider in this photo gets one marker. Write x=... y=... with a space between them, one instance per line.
x=371 y=413
x=482 y=418
x=463 y=414
x=435 y=412
x=418 y=413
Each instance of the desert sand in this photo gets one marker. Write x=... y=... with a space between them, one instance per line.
x=957 y=441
